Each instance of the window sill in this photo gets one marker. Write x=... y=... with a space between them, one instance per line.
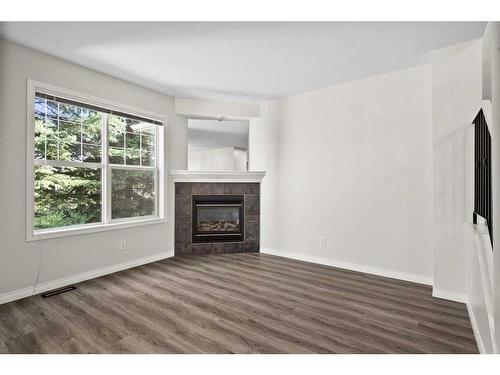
x=46 y=234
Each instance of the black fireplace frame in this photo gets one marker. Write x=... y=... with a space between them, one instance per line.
x=218 y=200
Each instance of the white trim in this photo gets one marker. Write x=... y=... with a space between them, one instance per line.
x=67 y=163
x=484 y=253
x=449 y=295
x=217 y=176
x=161 y=165
x=352 y=266
x=59 y=283
x=132 y=167
x=133 y=219
x=486 y=107
x=45 y=234
x=475 y=330
x=106 y=223
x=15 y=295
x=30 y=154
x=105 y=178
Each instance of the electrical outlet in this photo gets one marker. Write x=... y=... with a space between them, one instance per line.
x=322 y=241
x=123 y=245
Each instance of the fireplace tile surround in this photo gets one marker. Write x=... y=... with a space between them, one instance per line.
x=184 y=192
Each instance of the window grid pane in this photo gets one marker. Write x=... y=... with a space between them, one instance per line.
x=66 y=194
x=133 y=193
x=131 y=142
x=63 y=130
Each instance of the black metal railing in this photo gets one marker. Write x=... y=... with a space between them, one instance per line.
x=482 y=172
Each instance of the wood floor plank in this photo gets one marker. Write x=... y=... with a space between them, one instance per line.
x=206 y=309
x=238 y=303
x=418 y=292
x=377 y=329
x=223 y=304
x=287 y=284
x=352 y=287
x=195 y=323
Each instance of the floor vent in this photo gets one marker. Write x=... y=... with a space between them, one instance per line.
x=55 y=292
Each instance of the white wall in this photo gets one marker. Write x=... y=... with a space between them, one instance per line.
x=379 y=167
x=217 y=145
x=240 y=159
x=353 y=163
x=494 y=30
x=72 y=255
x=206 y=134
x=263 y=155
x=215 y=108
x=218 y=159
x=478 y=290
x=456 y=99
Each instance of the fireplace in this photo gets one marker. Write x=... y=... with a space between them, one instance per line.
x=218 y=218
x=234 y=230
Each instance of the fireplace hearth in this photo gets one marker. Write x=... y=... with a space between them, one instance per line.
x=218 y=218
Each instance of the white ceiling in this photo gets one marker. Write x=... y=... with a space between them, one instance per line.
x=241 y=60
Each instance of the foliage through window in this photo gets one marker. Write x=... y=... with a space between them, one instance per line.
x=85 y=156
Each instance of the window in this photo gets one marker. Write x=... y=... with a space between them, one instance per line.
x=93 y=166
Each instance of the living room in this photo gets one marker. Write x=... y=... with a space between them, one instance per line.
x=249 y=187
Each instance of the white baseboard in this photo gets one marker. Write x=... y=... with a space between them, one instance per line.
x=59 y=283
x=352 y=266
x=446 y=294
x=15 y=295
x=475 y=330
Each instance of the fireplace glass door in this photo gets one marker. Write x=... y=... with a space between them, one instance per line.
x=217 y=218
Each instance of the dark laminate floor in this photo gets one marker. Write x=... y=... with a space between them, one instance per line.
x=237 y=303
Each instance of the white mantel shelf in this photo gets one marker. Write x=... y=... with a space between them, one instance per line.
x=217 y=176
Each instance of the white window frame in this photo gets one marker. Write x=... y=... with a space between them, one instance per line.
x=106 y=222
